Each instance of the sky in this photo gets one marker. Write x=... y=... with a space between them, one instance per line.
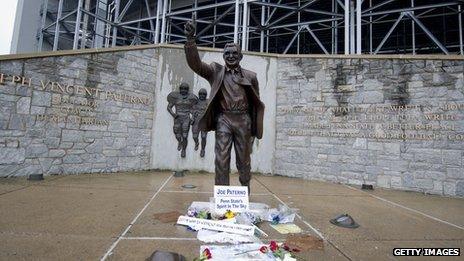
x=7 y=16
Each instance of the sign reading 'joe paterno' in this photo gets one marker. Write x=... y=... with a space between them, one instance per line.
x=234 y=198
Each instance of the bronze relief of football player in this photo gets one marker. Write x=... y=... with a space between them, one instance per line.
x=183 y=101
x=198 y=110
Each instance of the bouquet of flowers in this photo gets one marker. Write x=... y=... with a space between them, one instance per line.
x=206 y=214
x=278 y=251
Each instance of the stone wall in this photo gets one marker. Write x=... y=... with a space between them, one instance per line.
x=77 y=114
x=394 y=123
x=389 y=121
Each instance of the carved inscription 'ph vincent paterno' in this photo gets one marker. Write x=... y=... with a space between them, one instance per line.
x=70 y=89
x=72 y=104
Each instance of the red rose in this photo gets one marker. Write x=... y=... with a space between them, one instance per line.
x=263 y=249
x=207 y=253
x=286 y=248
x=273 y=246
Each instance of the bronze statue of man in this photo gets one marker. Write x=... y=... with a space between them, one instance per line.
x=198 y=110
x=235 y=111
x=184 y=101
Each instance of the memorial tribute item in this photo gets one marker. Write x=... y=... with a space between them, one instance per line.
x=184 y=101
x=198 y=110
x=234 y=111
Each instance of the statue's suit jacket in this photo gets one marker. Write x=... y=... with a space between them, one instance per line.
x=214 y=74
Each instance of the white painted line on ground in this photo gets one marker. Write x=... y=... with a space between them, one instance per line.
x=407 y=208
x=304 y=221
x=110 y=250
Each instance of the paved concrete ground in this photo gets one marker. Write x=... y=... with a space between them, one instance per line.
x=87 y=217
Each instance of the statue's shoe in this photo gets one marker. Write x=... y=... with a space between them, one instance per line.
x=202 y=153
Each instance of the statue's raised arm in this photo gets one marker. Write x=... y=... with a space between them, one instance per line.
x=191 y=53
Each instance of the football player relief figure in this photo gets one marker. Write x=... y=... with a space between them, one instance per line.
x=198 y=110
x=183 y=101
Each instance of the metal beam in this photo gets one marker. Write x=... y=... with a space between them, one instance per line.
x=205 y=7
x=305 y=23
x=152 y=26
x=44 y=20
x=163 y=23
x=269 y=16
x=137 y=28
x=287 y=7
x=63 y=17
x=407 y=9
x=214 y=27
x=358 y=27
x=316 y=39
x=157 y=27
x=461 y=49
x=116 y=15
x=293 y=39
x=370 y=30
x=413 y=32
x=389 y=33
x=352 y=28
x=124 y=10
x=245 y=26
x=291 y=13
x=77 y=25
x=427 y=32
x=236 y=23
x=347 y=27
x=57 y=26
x=112 y=24
x=85 y=24
x=216 y=21
x=378 y=6
x=261 y=40
x=298 y=35
x=200 y=21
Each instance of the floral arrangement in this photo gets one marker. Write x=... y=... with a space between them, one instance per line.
x=205 y=255
x=278 y=251
x=229 y=214
x=206 y=214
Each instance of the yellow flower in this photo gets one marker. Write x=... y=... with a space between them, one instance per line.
x=229 y=214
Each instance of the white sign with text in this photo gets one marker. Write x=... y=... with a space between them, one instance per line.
x=233 y=198
x=224 y=226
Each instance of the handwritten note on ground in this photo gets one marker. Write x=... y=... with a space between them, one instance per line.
x=198 y=223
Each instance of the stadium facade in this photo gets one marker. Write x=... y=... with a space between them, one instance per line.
x=273 y=26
